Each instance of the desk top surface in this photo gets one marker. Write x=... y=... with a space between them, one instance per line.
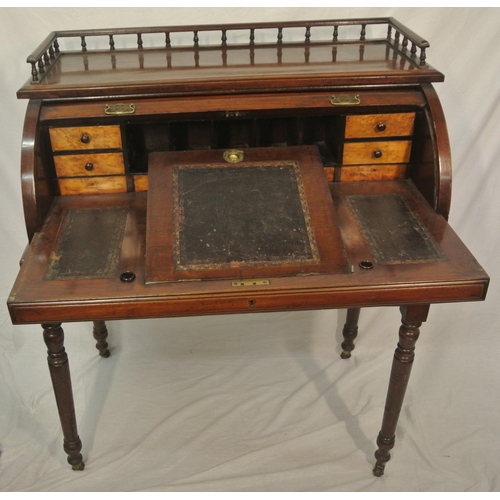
x=427 y=263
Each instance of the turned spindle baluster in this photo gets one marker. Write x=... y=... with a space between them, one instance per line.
x=335 y=33
x=405 y=44
x=83 y=44
x=139 y=41
x=51 y=52
x=413 y=50
x=422 y=56
x=41 y=67
x=362 y=36
x=196 y=39
x=280 y=35
x=167 y=39
x=56 y=46
x=111 y=42
x=334 y=54
x=46 y=58
x=396 y=38
x=389 y=32
x=224 y=37
x=308 y=34
x=34 y=72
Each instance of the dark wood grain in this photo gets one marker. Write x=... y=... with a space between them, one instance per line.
x=57 y=358
x=374 y=223
x=412 y=318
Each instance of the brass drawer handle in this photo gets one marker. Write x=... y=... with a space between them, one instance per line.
x=345 y=100
x=377 y=153
x=119 y=109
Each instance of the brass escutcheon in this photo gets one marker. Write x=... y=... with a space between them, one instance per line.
x=119 y=109
x=233 y=155
x=345 y=100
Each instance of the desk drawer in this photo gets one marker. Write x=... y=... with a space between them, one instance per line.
x=373 y=152
x=93 y=185
x=379 y=125
x=89 y=164
x=76 y=138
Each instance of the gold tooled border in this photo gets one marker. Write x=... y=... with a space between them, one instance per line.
x=179 y=214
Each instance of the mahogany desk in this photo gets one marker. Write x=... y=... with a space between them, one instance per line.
x=236 y=168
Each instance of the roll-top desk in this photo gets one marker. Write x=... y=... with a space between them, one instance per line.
x=196 y=170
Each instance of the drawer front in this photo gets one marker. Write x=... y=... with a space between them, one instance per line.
x=379 y=125
x=390 y=172
x=93 y=185
x=140 y=183
x=76 y=138
x=366 y=153
x=89 y=164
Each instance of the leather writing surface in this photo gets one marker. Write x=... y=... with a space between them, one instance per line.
x=88 y=244
x=228 y=216
x=392 y=230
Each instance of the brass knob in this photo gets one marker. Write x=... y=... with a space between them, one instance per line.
x=85 y=138
x=89 y=166
x=381 y=127
x=377 y=153
x=233 y=155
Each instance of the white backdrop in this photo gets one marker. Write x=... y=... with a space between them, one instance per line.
x=263 y=402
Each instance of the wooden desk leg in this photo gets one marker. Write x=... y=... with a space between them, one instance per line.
x=412 y=318
x=350 y=332
x=53 y=336
x=101 y=334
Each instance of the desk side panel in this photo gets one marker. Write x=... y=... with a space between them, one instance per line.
x=431 y=162
x=37 y=188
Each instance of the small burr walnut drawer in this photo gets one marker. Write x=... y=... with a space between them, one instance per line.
x=373 y=152
x=93 y=185
x=379 y=125
x=93 y=137
x=81 y=165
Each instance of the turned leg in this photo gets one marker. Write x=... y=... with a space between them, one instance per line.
x=59 y=372
x=350 y=332
x=412 y=318
x=101 y=334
